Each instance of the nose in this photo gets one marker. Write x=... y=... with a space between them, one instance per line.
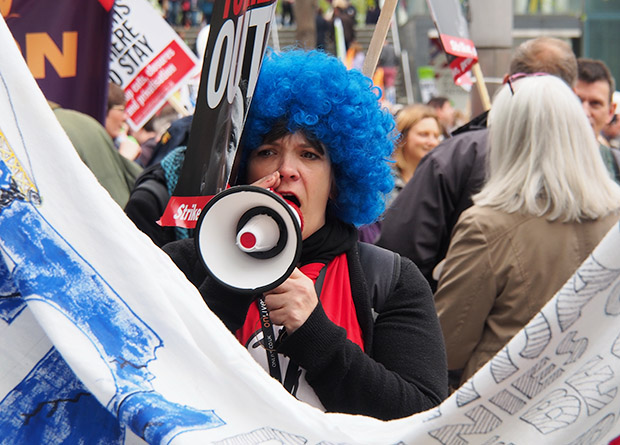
x=288 y=167
x=431 y=142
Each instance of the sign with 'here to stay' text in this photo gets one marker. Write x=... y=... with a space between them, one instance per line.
x=148 y=59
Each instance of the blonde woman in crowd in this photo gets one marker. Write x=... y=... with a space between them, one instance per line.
x=420 y=132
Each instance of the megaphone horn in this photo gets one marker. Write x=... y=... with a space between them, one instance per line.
x=261 y=233
x=249 y=239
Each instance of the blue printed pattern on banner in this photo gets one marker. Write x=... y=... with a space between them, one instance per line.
x=11 y=305
x=52 y=406
x=46 y=269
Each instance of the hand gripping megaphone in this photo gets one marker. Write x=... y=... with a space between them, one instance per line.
x=249 y=238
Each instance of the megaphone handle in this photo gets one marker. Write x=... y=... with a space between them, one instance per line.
x=269 y=339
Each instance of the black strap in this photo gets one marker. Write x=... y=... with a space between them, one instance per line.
x=318 y=284
x=381 y=271
x=269 y=339
x=270 y=344
x=157 y=189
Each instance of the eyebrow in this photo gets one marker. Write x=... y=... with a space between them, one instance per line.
x=311 y=143
x=317 y=145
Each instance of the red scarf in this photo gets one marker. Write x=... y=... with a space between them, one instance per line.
x=336 y=300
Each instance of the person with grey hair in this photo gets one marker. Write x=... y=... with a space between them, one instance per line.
x=545 y=205
x=419 y=222
x=545 y=55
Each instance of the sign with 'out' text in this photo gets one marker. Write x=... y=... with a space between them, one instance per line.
x=235 y=49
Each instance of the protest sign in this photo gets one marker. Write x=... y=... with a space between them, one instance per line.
x=103 y=340
x=66 y=45
x=235 y=48
x=148 y=59
x=454 y=35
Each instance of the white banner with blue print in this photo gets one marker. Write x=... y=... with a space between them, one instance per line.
x=103 y=340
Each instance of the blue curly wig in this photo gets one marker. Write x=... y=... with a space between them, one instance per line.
x=313 y=92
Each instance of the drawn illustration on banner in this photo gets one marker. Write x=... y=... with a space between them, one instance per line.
x=586 y=392
x=82 y=298
x=556 y=381
x=50 y=400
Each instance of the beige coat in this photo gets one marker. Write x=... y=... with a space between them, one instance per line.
x=500 y=270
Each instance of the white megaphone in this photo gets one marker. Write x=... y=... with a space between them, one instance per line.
x=249 y=238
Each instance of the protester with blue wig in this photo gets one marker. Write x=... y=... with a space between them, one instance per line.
x=366 y=339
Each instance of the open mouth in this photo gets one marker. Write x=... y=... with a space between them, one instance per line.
x=291 y=198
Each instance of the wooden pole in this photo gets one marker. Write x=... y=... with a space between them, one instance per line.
x=378 y=37
x=178 y=106
x=482 y=87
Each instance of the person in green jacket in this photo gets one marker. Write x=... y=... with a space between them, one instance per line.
x=96 y=149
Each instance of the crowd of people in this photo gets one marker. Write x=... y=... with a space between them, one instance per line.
x=500 y=214
x=475 y=228
x=186 y=13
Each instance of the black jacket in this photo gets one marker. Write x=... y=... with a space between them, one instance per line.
x=147 y=203
x=403 y=368
x=419 y=222
x=175 y=136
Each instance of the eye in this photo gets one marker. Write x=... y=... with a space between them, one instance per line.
x=310 y=155
x=263 y=152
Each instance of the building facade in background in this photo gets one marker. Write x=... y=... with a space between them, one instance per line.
x=592 y=28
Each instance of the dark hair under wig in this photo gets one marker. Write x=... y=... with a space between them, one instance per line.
x=313 y=92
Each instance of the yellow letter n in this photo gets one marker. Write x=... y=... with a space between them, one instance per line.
x=40 y=46
x=5 y=7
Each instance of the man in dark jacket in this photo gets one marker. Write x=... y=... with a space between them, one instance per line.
x=419 y=223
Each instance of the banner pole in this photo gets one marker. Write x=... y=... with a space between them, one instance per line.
x=178 y=106
x=378 y=37
x=482 y=86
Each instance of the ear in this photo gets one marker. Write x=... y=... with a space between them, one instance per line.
x=612 y=111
